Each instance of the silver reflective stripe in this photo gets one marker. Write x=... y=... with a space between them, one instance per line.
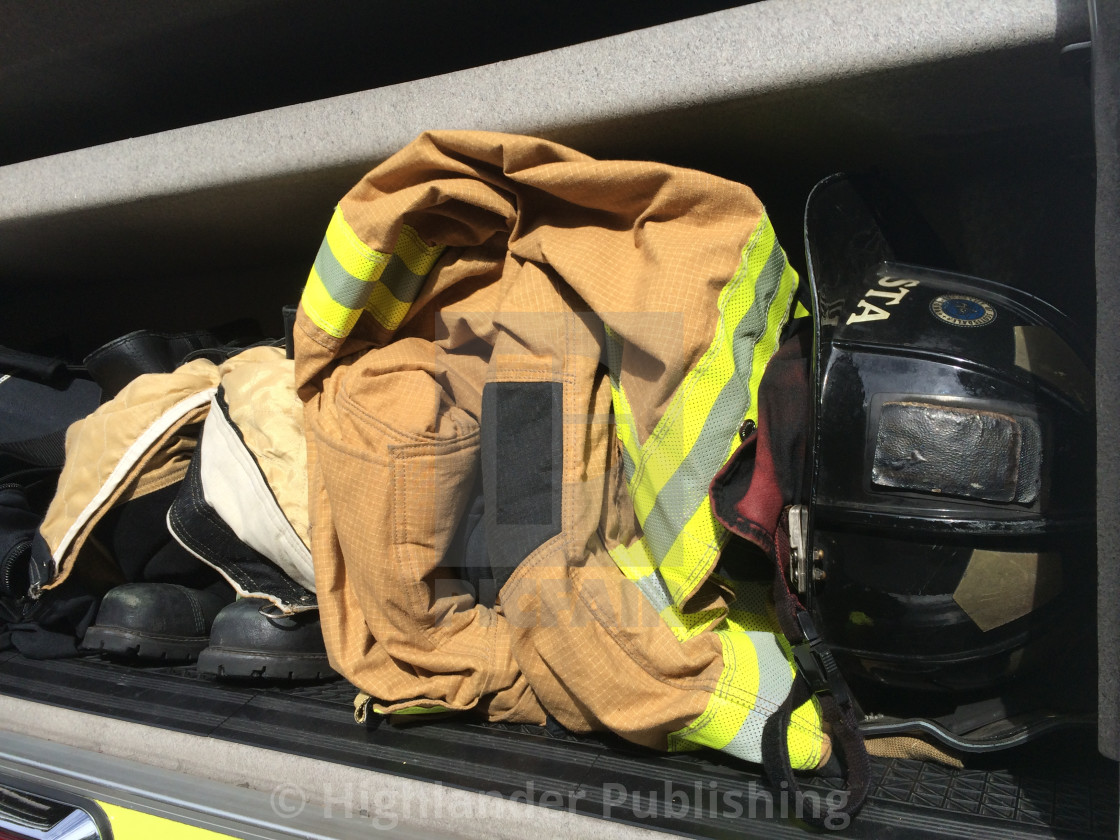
x=653 y=587
x=774 y=683
x=353 y=292
x=344 y=288
x=402 y=283
x=687 y=488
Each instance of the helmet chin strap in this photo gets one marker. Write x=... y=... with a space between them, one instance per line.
x=817 y=674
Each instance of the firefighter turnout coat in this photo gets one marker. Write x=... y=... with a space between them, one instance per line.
x=521 y=369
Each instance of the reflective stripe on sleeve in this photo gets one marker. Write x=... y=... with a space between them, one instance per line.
x=668 y=475
x=756 y=678
x=349 y=277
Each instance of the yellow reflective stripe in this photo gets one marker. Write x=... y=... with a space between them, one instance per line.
x=767 y=344
x=402 y=278
x=681 y=540
x=738 y=708
x=341 y=278
x=637 y=566
x=729 y=704
x=695 y=398
x=632 y=561
x=349 y=276
x=804 y=738
x=388 y=311
x=744 y=621
x=418 y=257
x=697 y=432
x=331 y=317
x=693 y=554
x=687 y=625
x=353 y=255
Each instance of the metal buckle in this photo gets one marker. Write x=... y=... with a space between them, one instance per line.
x=799 y=548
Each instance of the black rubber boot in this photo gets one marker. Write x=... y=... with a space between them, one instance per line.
x=249 y=642
x=159 y=621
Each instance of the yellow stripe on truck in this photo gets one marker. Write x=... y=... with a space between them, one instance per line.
x=136 y=825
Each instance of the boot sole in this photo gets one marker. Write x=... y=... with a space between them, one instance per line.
x=131 y=644
x=228 y=662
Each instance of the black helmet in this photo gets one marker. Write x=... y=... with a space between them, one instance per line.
x=948 y=543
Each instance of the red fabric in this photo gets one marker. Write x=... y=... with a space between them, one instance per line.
x=767 y=473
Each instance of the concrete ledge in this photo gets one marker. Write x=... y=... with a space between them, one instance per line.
x=742 y=54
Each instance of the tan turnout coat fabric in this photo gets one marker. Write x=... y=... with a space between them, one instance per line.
x=522 y=257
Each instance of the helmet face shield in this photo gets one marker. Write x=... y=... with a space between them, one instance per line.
x=951 y=512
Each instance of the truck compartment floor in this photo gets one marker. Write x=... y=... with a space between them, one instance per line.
x=1053 y=788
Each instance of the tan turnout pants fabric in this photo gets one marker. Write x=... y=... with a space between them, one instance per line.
x=144 y=438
